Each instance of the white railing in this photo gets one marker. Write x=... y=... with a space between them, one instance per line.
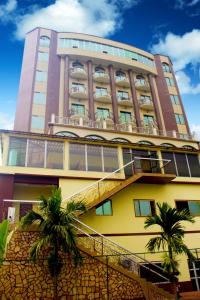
x=116 y=253
x=146 y=130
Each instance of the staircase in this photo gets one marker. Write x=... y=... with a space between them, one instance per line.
x=122 y=260
x=116 y=181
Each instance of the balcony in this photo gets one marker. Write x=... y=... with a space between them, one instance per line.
x=142 y=85
x=122 y=81
x=77 y=114
x=78 y=92
x=146 y=104
x=101 y=77
x=78 y=73
x=102 y=97
x=124 y=101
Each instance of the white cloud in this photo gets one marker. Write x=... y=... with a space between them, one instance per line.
x=195 y=128
x=6 y=9
x=101 y=18
x=6 y=121
x=185 y=52
x=181 y=4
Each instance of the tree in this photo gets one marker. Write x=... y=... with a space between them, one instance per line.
x=171 y=236
x=57 y=231
x=4 y=226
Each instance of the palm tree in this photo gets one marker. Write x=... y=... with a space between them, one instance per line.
x=4 y=226
x=57 y=231
x=171 y=236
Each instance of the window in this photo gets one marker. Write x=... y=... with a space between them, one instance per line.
x=170 y=81
x=194 y=267
x=145 y=99
x=77 y=64
x=174 y=99
x=140 y=79
x=41 y=76
x=144 y=208
x=93 y=158
x=122 y=95
x=43 y=56
x=120 y=75
x=103 y=113
x=17 y=152
x=35 y=153
x=44 y=41
x=93 y=46
x=101 y=91
x=125 y=116
x=39 y=98
x=37 y=122
x=148 y=120
x=78 y=87
x=182 y=164
x=100 y=70
x=192 y=206
x=166 y=67
x=104 y=209
x=24 y=208
x=78 y=109
x=179 y=119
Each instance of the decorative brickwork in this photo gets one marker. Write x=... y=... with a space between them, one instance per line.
x=21 y=279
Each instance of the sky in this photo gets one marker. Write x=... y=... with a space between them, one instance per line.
x=170 y=27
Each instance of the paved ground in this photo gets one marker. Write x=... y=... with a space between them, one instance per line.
x=190 y=296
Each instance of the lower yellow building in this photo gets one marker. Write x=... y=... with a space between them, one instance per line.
x=121 y=179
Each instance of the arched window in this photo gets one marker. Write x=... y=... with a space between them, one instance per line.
x=95 y=137
x=120 y=75
x=44 y=41
x=77 y=64
x=120 y=140
x=145 y=143
x=67 y=133
x=167 y=145
x=140 y=79
x=188 y=147
x=100 y=70
x=165 y=67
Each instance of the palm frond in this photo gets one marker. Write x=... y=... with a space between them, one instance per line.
x=30 y=218
x=155 y=244
x=39 y=245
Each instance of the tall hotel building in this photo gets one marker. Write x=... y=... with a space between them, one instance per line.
x=89 y=106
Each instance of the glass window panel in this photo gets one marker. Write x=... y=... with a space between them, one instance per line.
x=193 y=161
x=99 y=210
x=194 y=207
x=77 y=156
x=145 y=208
x=54 y=156
x=44 y=41
x=78 y=109
x=137 y=208
x=37 y=122
x=102 y=113
x=36 y=153
x=125 y=116
x=17 y=151
x=170 y=167
x=94 y=158
x=181 y=163
x=43 y=56
x=41 y=76
x=110 y=156
x=39 y=98
x=180 y=205
x=107 y=208
x=127 y=157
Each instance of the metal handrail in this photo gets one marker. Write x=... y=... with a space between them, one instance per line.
x=116 y=171
x=118 y=245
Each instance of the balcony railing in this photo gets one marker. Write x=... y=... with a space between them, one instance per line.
x=78 y=92
x=104 y=97
x=78 y=72
x=122 y=81
x=101 y=77
x=124 y=101
x=76 y=113
x=142 y=85
x=122 y=127
x=146 y=104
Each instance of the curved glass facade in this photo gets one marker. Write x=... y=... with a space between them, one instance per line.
x=97 y=47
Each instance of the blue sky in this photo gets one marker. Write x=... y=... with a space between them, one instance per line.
x=161 y=26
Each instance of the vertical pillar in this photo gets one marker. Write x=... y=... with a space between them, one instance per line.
x=113 y=94
x=155 y=102
x=134 y=99
x=66 y=88
x=90 y=91
x=6 y=192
